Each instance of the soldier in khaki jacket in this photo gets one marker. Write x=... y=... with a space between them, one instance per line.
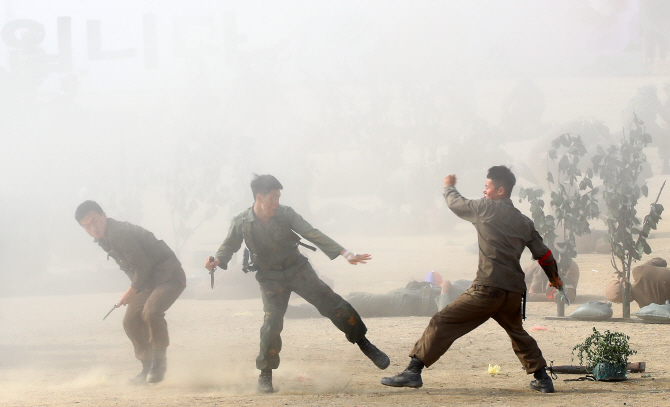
x=503 y=234
x=157 y=280
x=270 y=232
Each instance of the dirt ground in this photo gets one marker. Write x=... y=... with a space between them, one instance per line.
x=57 y=351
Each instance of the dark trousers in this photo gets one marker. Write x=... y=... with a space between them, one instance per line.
x=276 y=288
x=467 y=312
x=145 y=322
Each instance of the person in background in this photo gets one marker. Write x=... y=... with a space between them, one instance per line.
x=651 y=284
x=416 y=299
x=538 y=286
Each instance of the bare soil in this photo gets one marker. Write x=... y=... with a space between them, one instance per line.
x=57 y=351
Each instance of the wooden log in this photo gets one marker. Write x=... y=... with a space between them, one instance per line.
x=634 y=367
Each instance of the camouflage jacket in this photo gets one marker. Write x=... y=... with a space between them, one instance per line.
x=146 y=260
x=273 y=247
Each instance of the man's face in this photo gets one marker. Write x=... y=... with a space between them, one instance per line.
x=269 y=203
x=94 y=224
x=492 y=192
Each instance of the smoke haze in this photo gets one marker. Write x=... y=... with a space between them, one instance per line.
x=358 y=108
x=161 y=111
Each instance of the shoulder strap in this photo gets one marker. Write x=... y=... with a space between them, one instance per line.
x=246 y=234
x=294 y=236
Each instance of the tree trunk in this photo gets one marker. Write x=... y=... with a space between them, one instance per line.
x=560 y=308
x=626 y=288
x=626 y=300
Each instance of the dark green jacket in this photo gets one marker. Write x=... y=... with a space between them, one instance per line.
x=273 y=247
x=146 y=260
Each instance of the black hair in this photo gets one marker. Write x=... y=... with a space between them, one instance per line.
x=263 y=184
x=502 y=177
x=85 y=207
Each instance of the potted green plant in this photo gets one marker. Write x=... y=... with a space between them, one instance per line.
x=606 y=355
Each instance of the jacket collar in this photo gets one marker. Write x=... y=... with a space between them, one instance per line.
x=110 y=231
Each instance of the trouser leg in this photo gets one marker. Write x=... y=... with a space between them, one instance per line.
x=301 y=311
x=160 y=300
x=525 y=347
x=332 y=306
x=135 y=327
x=467 y=312
x=144 y=321
x=275 y=295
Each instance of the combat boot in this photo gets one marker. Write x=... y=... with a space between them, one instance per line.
x=141 y=377
x=265 y=381
x=410 y=377
x=158 y=366
x=379 y=358
x=542 y=382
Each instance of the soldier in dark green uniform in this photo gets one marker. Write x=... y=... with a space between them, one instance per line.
x=157 y=280
x=269 y=232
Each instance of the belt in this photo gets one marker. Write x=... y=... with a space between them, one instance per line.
x=279 y=267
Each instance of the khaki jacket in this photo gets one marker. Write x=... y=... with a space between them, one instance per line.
x=503 y=234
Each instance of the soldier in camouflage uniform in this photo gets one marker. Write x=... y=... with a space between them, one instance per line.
x=157 y=280
x=269 y=232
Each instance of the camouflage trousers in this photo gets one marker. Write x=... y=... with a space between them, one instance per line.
x=276 y=288
x=467 y=312
x=145 y=322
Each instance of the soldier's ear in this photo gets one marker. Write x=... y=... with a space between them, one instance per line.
x=502 y=191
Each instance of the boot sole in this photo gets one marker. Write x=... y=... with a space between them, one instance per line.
x=542 y=389
x=413 y=385
x=155 y=380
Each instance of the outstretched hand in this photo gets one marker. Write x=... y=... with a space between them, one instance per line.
x=450 y=180
x=360 y=258
x=355 y=258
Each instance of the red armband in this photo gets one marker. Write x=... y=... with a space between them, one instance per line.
x=543 y=260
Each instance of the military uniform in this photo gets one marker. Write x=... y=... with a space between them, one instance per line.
x=156 y=274
x=417 y=299
x=281 y=269
x=503 y=233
